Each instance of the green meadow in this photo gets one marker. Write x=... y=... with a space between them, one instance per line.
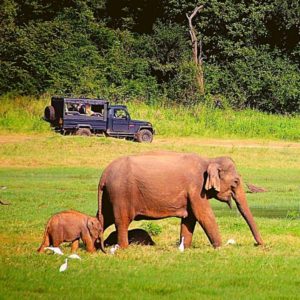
x=45 y=173
x=48 y=173
x=23 y=115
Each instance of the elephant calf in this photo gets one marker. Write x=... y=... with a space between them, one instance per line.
x=70 y=226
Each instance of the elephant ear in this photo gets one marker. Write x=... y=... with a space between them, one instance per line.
x=92 y=225
x=213 y=177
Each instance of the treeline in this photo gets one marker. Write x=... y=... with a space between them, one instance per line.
x=128 y=49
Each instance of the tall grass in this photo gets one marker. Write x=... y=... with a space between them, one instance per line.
x=23 y=115
x=207 y=122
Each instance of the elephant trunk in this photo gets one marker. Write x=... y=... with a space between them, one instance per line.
x=101 y=239
x=242 y=205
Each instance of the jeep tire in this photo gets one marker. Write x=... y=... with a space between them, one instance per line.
x=144 y=136
x=83 y=132
x=49 y=113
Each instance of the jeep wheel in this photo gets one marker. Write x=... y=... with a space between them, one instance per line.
x=144 y=136
x=49 y=113
x=83 y=132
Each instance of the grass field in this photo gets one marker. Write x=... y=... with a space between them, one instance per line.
x=45 y=173
x=23 y=115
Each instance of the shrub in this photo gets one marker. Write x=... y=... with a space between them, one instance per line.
x=152 y=228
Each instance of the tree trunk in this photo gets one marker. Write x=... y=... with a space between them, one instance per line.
x=197 y=58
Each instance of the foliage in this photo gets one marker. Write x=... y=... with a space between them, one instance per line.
x=152 y=228
x=141 y=49
x=259 y=79
x=293 y=215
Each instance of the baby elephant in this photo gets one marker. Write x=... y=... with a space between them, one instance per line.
x=70 y=226
x=135 y=236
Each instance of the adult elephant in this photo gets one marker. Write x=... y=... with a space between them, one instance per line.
x=158 y=185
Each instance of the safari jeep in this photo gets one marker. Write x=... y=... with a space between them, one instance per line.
x=95 y=116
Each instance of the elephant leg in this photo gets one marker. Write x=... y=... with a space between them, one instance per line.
x=122 y=224
x=56 y=242
x=187 y=229
x=122 y=221
x=86 y=238
x=75 y=246
x=206 y=218
x=46 y=243
x=122 y=232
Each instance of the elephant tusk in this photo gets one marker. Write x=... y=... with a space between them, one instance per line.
x=229 y=203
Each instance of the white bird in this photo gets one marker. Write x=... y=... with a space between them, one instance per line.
x=181 y=246
x=64 y=266
x=231 y=242
x=74 y=256
x=56 y=250
x=114 y=249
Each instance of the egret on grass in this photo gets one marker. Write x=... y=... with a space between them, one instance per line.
x=64 y=266
x=231 y=242
x=74 y=256
x=56 y=250
x=114 y=249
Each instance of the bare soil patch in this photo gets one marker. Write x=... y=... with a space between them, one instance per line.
x=20 y=138
x=227 y=142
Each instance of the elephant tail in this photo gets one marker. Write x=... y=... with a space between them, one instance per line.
x=99 y=214
x=100 y=192
x=46 y=239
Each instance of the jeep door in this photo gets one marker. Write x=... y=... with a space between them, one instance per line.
x=120 y=120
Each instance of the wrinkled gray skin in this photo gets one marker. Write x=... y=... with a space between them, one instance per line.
x=158 y=185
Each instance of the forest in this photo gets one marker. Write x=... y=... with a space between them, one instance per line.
x=141 y=49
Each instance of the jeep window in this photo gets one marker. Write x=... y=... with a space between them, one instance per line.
x=94 y=110
x=120 y=114
x=81 y=108
x=71 y=109
x=98 y=110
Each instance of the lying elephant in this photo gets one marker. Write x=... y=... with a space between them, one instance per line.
x=158 y=185
x=70 y=226
x=135 y=236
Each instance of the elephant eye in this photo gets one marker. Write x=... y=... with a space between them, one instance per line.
x=236 y=182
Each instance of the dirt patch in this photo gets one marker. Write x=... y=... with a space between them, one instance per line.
x=17 y=138
x=20 y=138
x=226 y=143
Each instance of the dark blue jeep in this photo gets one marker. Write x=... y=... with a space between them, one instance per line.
x=95 y=116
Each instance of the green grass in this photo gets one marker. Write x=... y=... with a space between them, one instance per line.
x=23 y=115
x=206 y=122
x=48 y=173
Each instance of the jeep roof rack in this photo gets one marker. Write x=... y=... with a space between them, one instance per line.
x=80 y=100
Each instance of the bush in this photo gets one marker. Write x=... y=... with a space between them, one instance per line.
x=108 y=49
x=152 y=228
x=262 y=80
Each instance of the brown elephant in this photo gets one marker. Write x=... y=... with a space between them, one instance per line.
x=71 y=226
x=158 y=185
x=135 y=236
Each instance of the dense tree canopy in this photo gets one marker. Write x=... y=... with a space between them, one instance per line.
x=141 y=49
